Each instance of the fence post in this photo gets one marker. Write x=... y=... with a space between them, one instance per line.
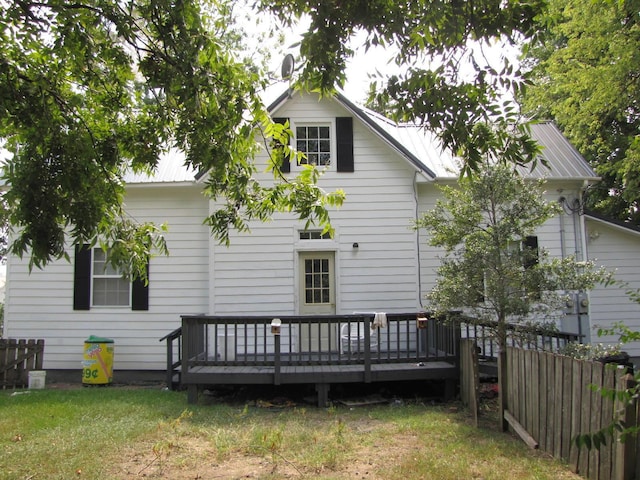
x=502 y=388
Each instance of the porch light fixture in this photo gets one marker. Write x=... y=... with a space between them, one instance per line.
x=421 y=321
x=276 y=323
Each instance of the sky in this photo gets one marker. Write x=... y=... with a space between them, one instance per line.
x=365 y=63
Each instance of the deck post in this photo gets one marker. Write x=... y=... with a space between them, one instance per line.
x=192 y=394
x=277 y=359
x=169 y=376
x=367 y=351
x=323 y=394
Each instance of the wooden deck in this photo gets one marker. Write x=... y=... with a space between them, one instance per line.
x=322 y=350
x=318 y=350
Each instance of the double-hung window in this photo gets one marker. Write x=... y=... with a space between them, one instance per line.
x=110 y=288
x=96 y=283
x=315 y=142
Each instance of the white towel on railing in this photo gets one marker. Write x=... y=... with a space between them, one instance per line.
x=379 y=320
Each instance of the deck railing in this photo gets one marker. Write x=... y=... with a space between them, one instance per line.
x=174 y=357
x=529 y=337
x=315 y=340
x=336 y=340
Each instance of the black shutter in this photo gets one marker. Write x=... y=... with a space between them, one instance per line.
x=285 y=167
x=344 y=143
x=82 y=278
x=140 y=293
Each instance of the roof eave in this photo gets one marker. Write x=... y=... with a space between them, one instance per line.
x=359 y=113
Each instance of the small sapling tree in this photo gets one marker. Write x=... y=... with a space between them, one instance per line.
x=492 y=268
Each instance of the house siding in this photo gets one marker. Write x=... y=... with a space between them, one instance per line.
x=618 y=250
x=40 y=303
x=257 y=273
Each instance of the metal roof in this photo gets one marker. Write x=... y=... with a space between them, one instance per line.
x=420 y=147
x=170 y=169
x=563 y=159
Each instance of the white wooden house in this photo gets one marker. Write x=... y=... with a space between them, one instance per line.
x=375 y=262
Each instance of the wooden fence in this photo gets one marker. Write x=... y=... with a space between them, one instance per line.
x=553 y=398
x=17 y=359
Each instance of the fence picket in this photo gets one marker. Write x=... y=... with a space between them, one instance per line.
x=585 y=420
x=597 y=422
x=544 y=400
x=567 y=406
x=534 y=386
x=551 y=405
x=576 y=387
x=528 y=407
x=607 y=415
x=559 y=406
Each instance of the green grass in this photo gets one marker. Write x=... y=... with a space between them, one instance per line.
x=112 y=433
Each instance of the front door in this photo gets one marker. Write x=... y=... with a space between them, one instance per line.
x=317 y=295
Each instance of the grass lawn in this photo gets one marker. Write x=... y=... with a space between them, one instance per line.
x=124 y=433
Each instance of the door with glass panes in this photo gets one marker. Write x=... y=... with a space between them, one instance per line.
x=317 y=297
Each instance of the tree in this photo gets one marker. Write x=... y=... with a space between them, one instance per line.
x=584 y=75
x=434 y=41
x=90 y=89
x=490 y=270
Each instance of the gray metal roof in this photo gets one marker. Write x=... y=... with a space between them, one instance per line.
x=419 y=146
x=170 y=169
x=563 y=159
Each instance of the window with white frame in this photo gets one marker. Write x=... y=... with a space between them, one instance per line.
x=109 y=287
x=315 y=142
x=314 y=235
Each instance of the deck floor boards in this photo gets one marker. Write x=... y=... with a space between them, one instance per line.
x=237 y=374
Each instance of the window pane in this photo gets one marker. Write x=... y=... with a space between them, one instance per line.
x=301 y=132
x=110 y=291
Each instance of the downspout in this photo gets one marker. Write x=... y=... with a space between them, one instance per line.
x=563 y=252
x=577 y=229
x=416 y=218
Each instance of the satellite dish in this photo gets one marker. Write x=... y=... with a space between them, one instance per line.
x=287 y=67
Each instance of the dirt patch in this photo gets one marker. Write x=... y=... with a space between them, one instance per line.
x=195 y=459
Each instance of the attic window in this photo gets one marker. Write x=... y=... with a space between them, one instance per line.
x=314 y=235
x=315 y=142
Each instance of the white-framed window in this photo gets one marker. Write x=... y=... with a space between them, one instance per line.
x=109 y=287
x=316 y=141
x=313 y=235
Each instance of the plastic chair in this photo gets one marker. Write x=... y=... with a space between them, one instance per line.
x=352 y=337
